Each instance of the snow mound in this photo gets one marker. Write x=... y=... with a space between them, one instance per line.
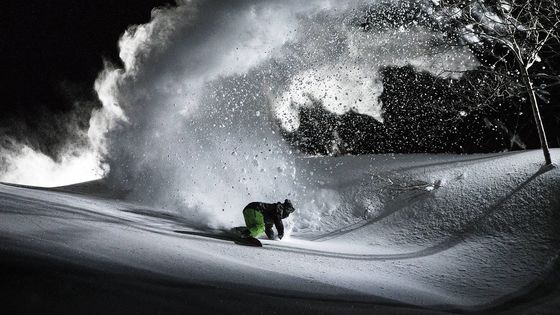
x=431 y=231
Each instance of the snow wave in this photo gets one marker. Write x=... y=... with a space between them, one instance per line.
x=193 y=122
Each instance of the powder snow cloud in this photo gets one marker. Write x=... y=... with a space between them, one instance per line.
x=192 y=121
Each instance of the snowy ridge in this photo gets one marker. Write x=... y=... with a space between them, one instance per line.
x=446 y=232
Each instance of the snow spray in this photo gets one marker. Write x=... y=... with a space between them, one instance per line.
x=193 y=121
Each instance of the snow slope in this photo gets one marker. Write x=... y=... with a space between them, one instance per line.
x=413 y=233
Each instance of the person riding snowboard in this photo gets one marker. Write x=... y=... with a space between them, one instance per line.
x=260 y=217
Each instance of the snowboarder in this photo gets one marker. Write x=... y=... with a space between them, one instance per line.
x=260 y=217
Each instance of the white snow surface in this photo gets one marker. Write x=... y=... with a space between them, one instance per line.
x=437 y=231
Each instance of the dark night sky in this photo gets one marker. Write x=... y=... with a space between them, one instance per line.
x=51 y=53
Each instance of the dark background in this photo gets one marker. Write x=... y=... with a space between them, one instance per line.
x=52 y=52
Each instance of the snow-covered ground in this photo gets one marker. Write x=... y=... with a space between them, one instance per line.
x=417 y=234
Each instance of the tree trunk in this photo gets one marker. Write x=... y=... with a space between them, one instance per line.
x=536 y=113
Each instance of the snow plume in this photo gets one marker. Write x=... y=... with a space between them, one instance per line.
x=192 y=123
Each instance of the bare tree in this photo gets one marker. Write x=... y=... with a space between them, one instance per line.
x=510 y=36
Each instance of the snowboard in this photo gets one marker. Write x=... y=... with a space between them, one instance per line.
x=241 y=237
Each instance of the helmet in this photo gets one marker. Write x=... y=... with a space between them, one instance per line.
x=288 y=207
